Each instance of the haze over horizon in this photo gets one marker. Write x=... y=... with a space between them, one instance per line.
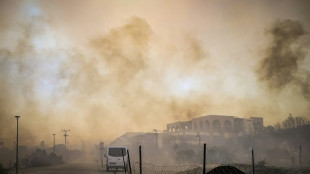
x=103 y=68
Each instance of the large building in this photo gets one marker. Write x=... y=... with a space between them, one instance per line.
x=193 y=131
x=221 y=125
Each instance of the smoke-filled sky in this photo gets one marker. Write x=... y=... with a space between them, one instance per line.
x=103 y=68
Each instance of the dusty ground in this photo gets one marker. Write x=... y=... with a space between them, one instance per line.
x=258 y=170
x=72 y=168
x=83 y=168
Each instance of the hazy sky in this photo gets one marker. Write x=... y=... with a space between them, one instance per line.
x=103 y=68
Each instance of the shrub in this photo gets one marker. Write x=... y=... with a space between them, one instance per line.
x=40 y=158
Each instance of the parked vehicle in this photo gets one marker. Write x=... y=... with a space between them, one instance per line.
x=116 y=157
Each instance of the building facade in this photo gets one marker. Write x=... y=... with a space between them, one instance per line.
x=218 y=125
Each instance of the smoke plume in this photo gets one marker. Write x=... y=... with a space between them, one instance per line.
x=284 y=56
x=105 y=68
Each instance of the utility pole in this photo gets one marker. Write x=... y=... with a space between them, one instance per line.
x=101 y=147
x=17 y=117
x=300 y=152
x=156 y=137
x=204 y=158
x=65 y=135
x=129 y=162
x=54 y=143
x=123 y=154
x=253 y=163
x=140 y=160
x=68 y=153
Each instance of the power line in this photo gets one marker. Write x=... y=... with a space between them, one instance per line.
x=25 y=138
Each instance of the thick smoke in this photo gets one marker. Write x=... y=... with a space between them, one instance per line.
x=14 y=64
x=113 y=82
x=281 y=66
x=101 y=74
x=19 y=74
x=124 y=49
x=118 y=83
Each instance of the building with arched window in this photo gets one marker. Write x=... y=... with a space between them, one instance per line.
x=218 y=125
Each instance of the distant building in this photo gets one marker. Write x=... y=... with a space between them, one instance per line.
x=258 y=124
x=132 y=140
x=218 y=125
x=194 y=131
x=179 y=126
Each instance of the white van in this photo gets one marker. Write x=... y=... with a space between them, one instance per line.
x=115 y=157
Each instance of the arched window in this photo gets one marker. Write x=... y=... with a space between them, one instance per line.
x=200 y=125
x=227 y=126
x=207 y=125
x=216 y=127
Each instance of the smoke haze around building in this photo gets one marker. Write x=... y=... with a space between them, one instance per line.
x=103 y=68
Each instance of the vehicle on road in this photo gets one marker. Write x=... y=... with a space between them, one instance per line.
x=116 y=157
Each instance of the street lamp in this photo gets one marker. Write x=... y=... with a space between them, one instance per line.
x=68 y=151
x=54 y=143
x=17 y=117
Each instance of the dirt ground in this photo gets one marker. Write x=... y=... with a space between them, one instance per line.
x=258 y=170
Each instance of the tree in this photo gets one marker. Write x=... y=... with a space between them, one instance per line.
x=292 y=122
x=289 y=122
x=2 y=169
x=277 y=126
x=41 y=158
x=270 y=129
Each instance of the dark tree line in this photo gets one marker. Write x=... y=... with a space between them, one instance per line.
x=292 y=122
x=41 y=158
x=2 y=169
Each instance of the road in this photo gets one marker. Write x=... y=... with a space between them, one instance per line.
x=71 y=168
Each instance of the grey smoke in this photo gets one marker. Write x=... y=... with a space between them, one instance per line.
x=281 y=65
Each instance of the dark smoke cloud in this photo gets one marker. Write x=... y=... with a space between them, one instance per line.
x=281 y=66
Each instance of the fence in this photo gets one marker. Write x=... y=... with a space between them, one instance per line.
x=149 y=168
x=156 y=169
